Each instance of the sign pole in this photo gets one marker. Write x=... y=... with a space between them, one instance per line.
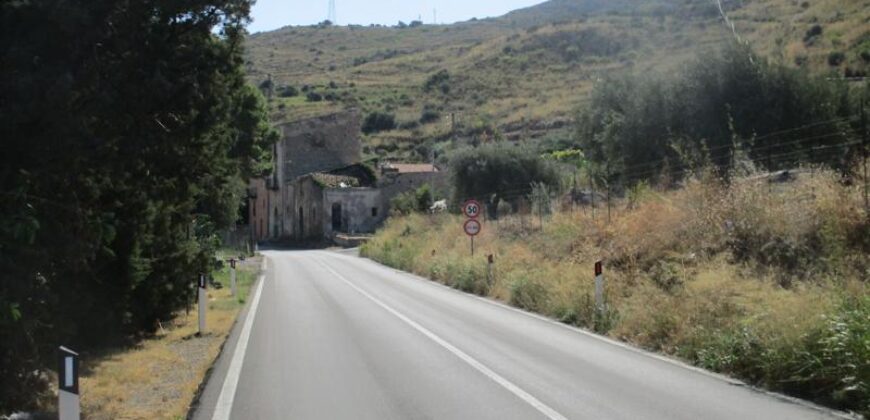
x=599 y=286
x=472 y=246
x=202 y=303
x=68 y=405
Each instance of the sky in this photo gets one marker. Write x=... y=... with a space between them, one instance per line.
x=273 y=14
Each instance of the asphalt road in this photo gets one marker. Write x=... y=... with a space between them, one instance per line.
x=333 y=336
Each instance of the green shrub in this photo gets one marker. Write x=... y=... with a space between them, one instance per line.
x=429 y=115
x=438 y=80
x=379 y=121
x=288 y=92
x=314 y=97
x=498 y=171
x=528 y=294
x=835 y=58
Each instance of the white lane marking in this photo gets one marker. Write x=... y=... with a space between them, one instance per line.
x=224 y=406
x=480 y=367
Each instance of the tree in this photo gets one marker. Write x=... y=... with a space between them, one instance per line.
x=499 y=171
x=378 y=121
x=126 y=144
x=722 y=103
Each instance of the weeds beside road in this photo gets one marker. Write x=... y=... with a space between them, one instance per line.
x=768 y=285
x=158 y=377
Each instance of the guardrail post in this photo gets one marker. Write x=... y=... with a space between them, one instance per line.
x=202 y=289
x=233 y=277
x=599 y=287
x=68 y=405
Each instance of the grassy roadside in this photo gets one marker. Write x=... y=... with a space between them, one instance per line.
x=768 y=285
x=158 y=377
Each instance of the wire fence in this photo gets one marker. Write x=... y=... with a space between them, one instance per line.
x=599 y=193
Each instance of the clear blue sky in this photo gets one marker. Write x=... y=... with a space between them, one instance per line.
x=273 y=14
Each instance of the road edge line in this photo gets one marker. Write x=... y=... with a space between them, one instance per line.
x=480 y=367
x=224 y=406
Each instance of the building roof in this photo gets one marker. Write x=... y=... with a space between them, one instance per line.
x=410 y=168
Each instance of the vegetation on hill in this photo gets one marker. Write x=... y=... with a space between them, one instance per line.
x=727 y=108
x=128 y=132
x=522 y=76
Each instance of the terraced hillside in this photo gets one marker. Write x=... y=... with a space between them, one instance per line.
x=522 y=75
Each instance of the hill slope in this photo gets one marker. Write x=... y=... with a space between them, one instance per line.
x=522 y=75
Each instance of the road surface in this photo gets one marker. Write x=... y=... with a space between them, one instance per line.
x=334 y=336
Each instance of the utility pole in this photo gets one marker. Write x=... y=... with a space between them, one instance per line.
x=332 y=15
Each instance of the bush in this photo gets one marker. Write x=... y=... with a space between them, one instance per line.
x=528 y=295
x=314 y=97
x=379 y=121
x=499 y=171
x=812 y=34
x=835 y=58
x=429 y=115
x=438 y=80
x=418 y=201
x=288 y=92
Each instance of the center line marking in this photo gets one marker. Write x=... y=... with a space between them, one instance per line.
x=480 y=367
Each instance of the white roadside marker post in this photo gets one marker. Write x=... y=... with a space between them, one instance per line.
x=599 y=286
x=233 y=277
x=490 y=260
x=68 y=406
x=202 y=302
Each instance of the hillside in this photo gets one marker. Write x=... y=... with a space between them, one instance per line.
x=522 y=75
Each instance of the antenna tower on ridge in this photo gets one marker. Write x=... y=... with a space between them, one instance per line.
x=332 y=17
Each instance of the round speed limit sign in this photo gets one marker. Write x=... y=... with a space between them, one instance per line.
x=472 y=228
x=471 y=209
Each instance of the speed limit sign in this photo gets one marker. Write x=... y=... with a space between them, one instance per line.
x=471 y=209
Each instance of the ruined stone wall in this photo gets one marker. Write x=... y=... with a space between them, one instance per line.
x=319 y=144
x=362 y=210
x=305 y=218
x=395 y=184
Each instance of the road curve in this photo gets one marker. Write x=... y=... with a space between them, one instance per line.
x=335 y=336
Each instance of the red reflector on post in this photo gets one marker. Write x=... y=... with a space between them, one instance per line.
x=599 y=268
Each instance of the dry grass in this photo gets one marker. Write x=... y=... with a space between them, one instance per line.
x=743 y=280
x=159 y=376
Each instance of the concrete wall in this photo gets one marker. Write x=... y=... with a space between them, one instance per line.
x=318 y=144
x=362 y=210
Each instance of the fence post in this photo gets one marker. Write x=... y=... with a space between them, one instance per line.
x=68 y=404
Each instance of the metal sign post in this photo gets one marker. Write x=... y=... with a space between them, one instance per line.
x=69 y=407
x=202 y=302
x=599 y=286
x=472 y=227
